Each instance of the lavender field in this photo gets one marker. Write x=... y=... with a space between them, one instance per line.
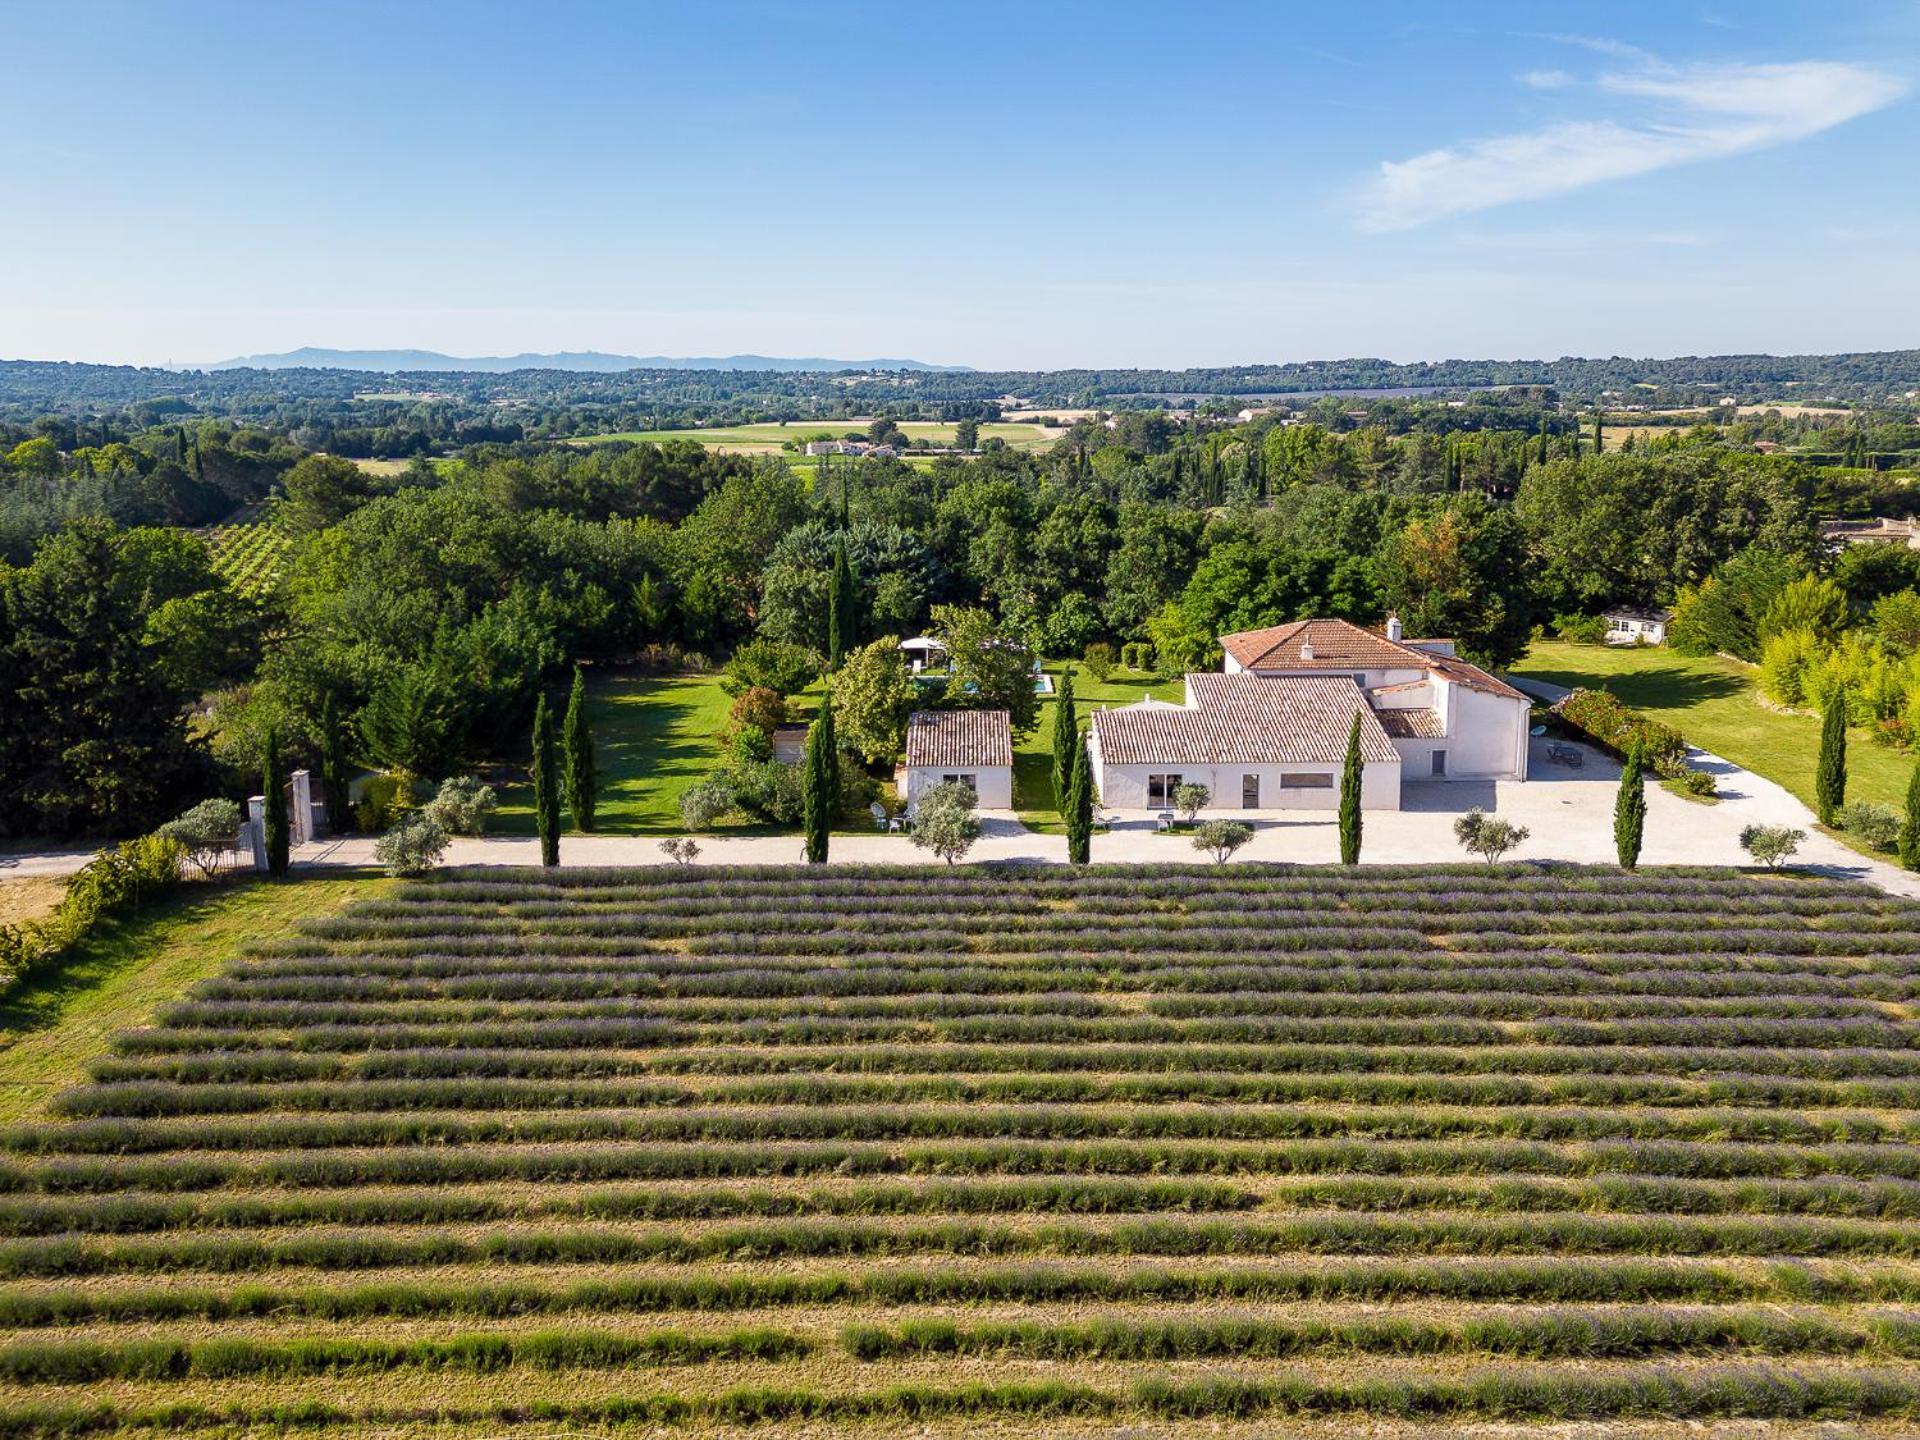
x=1006 y=1152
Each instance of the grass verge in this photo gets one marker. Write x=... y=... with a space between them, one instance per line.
x=61 y=1019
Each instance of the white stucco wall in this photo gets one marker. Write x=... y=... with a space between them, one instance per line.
x=992 y=783
x=1124 y=787
x=1486 y=738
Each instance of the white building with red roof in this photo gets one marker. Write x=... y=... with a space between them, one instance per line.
x=1271 y=731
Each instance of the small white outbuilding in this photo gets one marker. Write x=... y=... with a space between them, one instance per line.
x=972 y=747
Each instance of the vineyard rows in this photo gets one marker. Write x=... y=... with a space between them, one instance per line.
x=999 y=1152
x=249 y=549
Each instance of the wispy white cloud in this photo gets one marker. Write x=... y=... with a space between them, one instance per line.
x=1547 y=79
x=1695 y=112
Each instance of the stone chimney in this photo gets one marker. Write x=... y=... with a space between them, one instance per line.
x=1306 y=650
x=1394 y=630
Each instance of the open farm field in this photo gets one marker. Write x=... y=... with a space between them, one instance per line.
x=1168 y=1151
x=770 y=439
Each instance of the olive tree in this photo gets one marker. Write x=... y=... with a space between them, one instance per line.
x=944 y=822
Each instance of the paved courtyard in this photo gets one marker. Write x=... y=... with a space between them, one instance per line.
x=1568 y=811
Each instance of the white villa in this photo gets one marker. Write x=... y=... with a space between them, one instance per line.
x=1270 y=733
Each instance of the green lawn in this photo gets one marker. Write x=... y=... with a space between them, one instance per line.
x=1712 y=701
x=63 y=1018
x=654 y=737
x=1033 y=753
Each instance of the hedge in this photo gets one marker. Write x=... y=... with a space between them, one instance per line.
x=1602 y=716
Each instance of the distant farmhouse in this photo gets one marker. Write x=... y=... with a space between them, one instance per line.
x=851 y=447
x=1879 y=531
x=1270 y=733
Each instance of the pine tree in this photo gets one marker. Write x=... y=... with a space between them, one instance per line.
x=1066 y=735
x=1630 y=810
x=274 y=785
x=1351 y=775
x=333 y=764
x=1830 y=773
x=817 y=777
x=577 y=755
x=546 y=785
x=1910 y=830
x=1079 y=811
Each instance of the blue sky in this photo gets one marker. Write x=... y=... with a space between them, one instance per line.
x=996 y=185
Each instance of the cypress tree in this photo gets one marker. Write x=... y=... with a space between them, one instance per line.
x=817 y=777
x=1830 y=773
x=842 y=608
x=1066 y=735
x=577 y=747
x=1599 y=444
x=1079 y=811
x=1350 y=777
x=1910 y=831
x=333 y=764
x=546 y=785
x=1630 y=810
x=273 y=786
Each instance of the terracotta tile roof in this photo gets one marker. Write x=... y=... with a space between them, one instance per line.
x=1246 y=720
x=960 y=739
x=1412 y=724
x=1342 y=645
x=1335 y=645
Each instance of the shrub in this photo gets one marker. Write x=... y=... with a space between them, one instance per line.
x=113 y=882
x=1771 y=845
x=758 y=708
x=1486 y=835
x=462 y=806
x=1785 y=660
x=776 y=665
x=1696 y=782
x=1098 y=658
x=1189 y=799
x=383 y=800
x=412 y=847
x=944 y=821
x=1581 y=629
x=1874 y=825
x=703 y=804
x=1602 y=716
x=205 y=831
x=1220 y=838
x=682 y=850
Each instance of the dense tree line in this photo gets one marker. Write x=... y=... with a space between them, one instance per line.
x=423 y=614
x=29 y=388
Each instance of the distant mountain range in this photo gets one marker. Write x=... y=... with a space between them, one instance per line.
x=391 y=361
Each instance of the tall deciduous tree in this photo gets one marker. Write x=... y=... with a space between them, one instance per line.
x=546 y=785
x=1079 y=807
x=1066 y=737
x=582 y=782
x=1830 y=772
x=1351 y=775
x=273 y=783
x=818 y=782
x=1630 y=810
